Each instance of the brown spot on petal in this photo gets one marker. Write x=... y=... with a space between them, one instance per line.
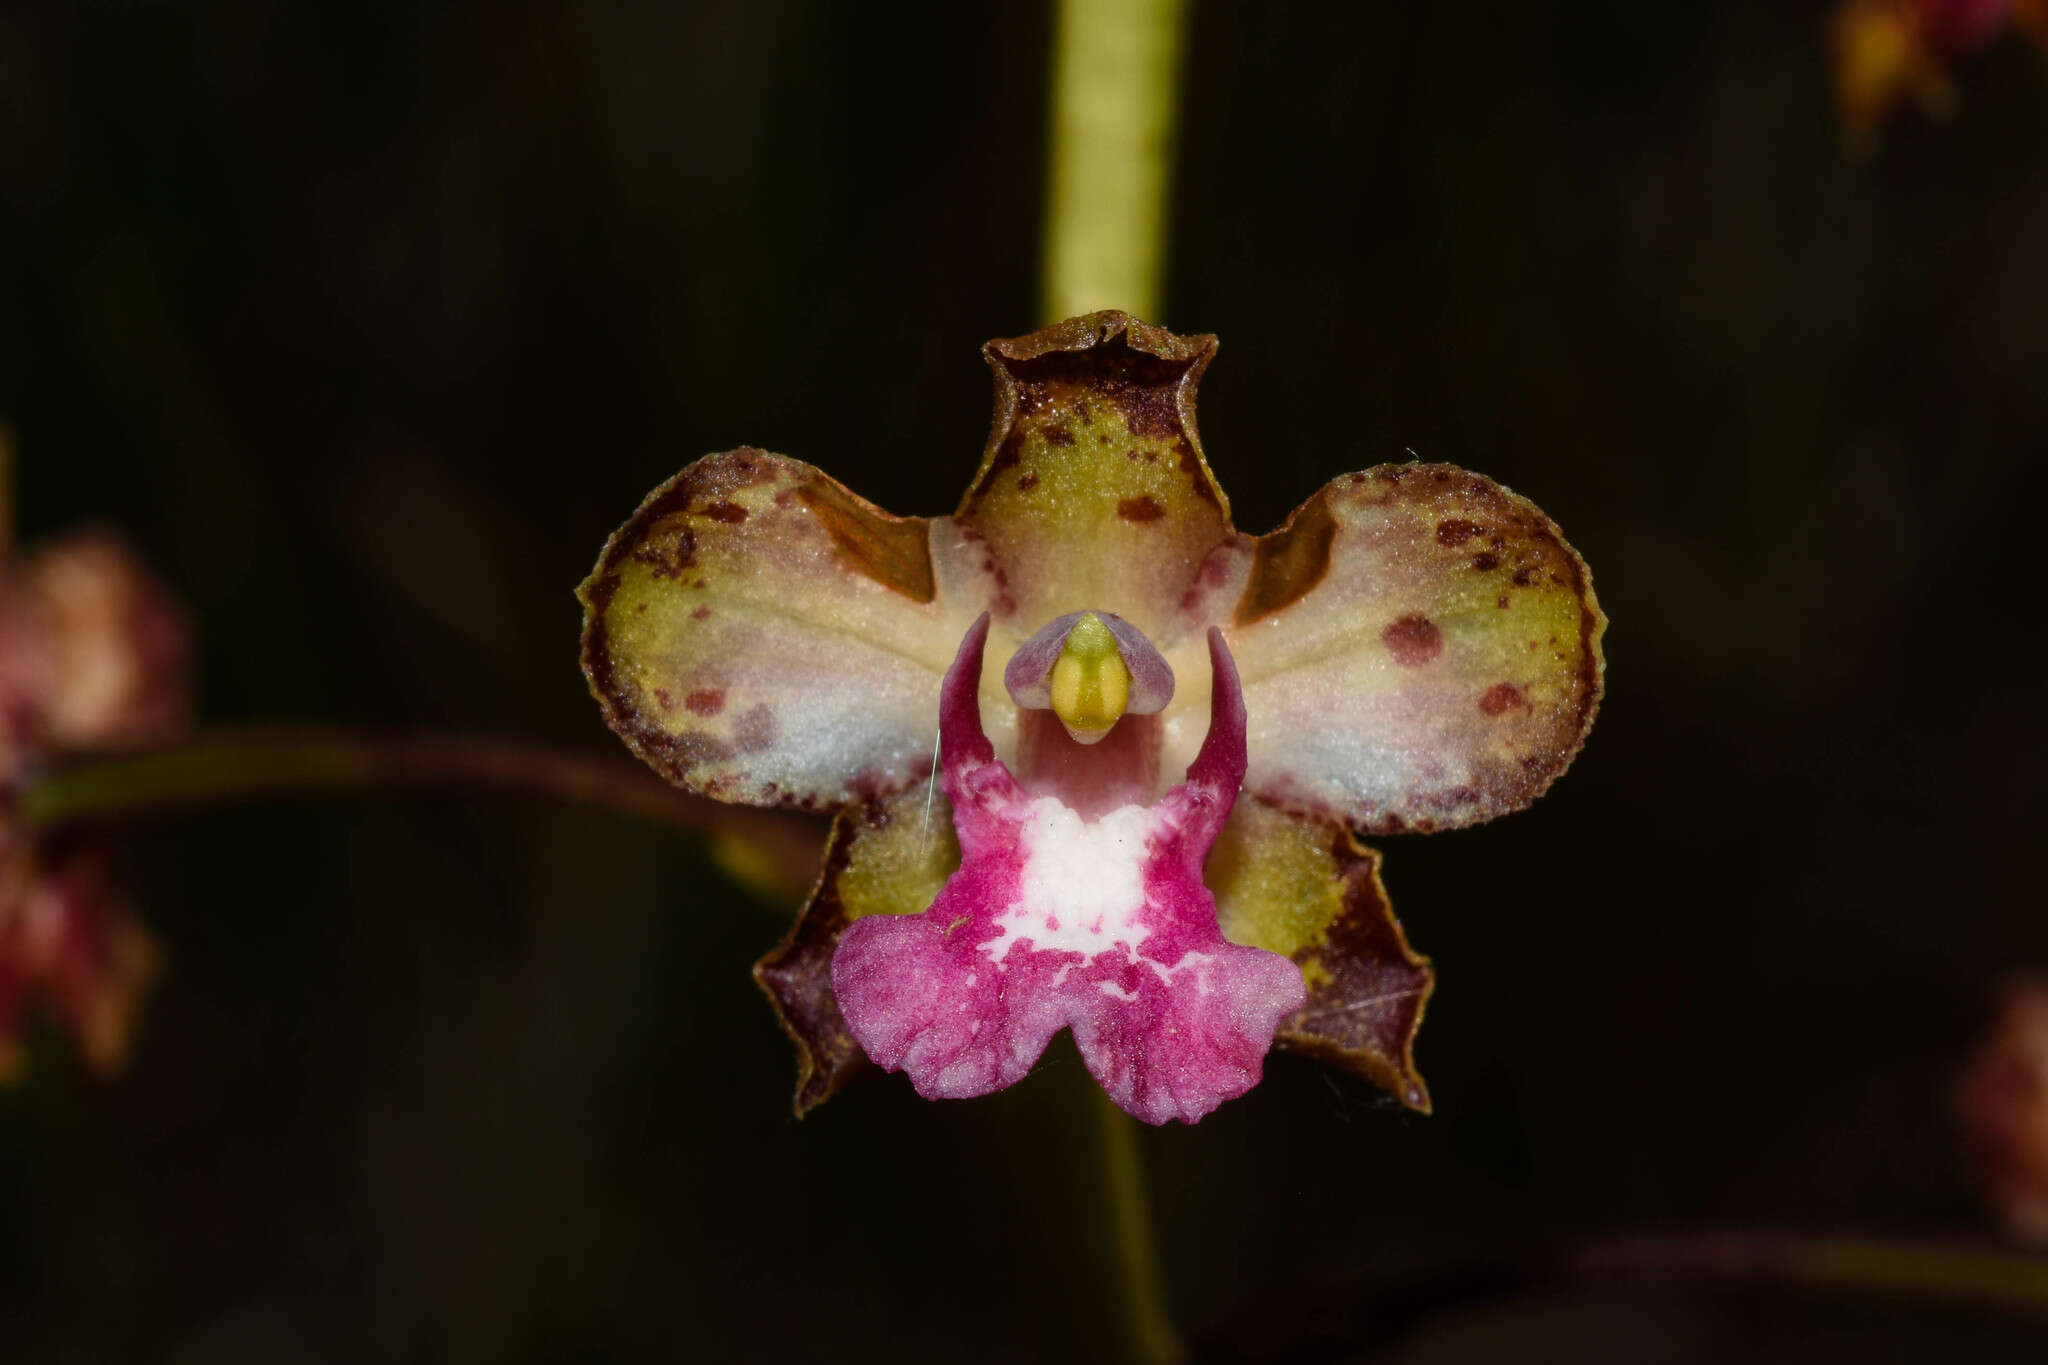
x=1389 y=559
x=668 y=552
x=1028 y=482
x=1151 y=410
x=894 y=551
x=757 y=729
x=1454 y=531
x=704 y=613
x=1413 y=640
x=705 y=701
x=1501 y=698
x=1124 y=393
x=1289 y=562
x=731 y=513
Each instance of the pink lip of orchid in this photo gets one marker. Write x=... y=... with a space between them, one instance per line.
x=1053 y=921
x=1414 y=649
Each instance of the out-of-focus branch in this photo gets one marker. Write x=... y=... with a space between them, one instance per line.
x=1115 y=103
x=1357 y=1317
x=264 y=761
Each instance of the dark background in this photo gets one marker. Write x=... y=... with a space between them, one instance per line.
x=368 y=324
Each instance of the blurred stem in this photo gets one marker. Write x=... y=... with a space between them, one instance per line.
x=1348 y=1317
x=1931 y=1270
x=1115 y=102
x=1115 y=99
x=6 y=491
x=1137 y=1254
x=263 y=761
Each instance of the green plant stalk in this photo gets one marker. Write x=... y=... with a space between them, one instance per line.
x=1137 y=1253
x=1987 y=1275
x=1347 y=1317
x=271 y=760
x=1114 y=106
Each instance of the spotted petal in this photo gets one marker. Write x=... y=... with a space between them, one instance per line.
x=1420 y=650
x=758 y=633
x=1305 y=888
x=1093 y=491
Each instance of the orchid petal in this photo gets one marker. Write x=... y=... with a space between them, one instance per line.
x=1093 y=489
x=757 y=633
x=888 y=856
x=1421 y=650
x=1305 y=888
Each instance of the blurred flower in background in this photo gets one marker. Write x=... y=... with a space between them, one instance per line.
x=2002 y=1103
x=94 y=655
x=1890 y=51
x=70 y=945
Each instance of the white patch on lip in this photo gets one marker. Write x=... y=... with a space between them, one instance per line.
x=1085 y=876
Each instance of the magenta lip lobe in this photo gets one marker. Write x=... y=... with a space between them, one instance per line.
x=1101 y=926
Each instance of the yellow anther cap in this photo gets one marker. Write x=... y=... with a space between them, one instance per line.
x=1091 y=686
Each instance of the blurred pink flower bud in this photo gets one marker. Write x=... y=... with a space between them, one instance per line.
x=2002 y=1103
x=93 y=655
x=1890 y=51
x=116 y=663
x=70 y=947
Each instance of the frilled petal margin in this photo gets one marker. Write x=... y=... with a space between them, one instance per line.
x=1300 y=887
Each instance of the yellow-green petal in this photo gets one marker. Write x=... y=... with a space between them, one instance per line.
x=1093 y=492
x=1305 y=888
x=1420 y=650
x=758 y=633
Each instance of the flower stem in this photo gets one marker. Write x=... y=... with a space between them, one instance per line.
x=1115 y=101
x=1137 y=1257
x=1347 y=1317
x=1986 y=1275
x=271 y=760
x=1115 y=98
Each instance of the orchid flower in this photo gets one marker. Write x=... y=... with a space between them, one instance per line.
x=1143 y=826
x=1889 y=51
x=94 y=655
